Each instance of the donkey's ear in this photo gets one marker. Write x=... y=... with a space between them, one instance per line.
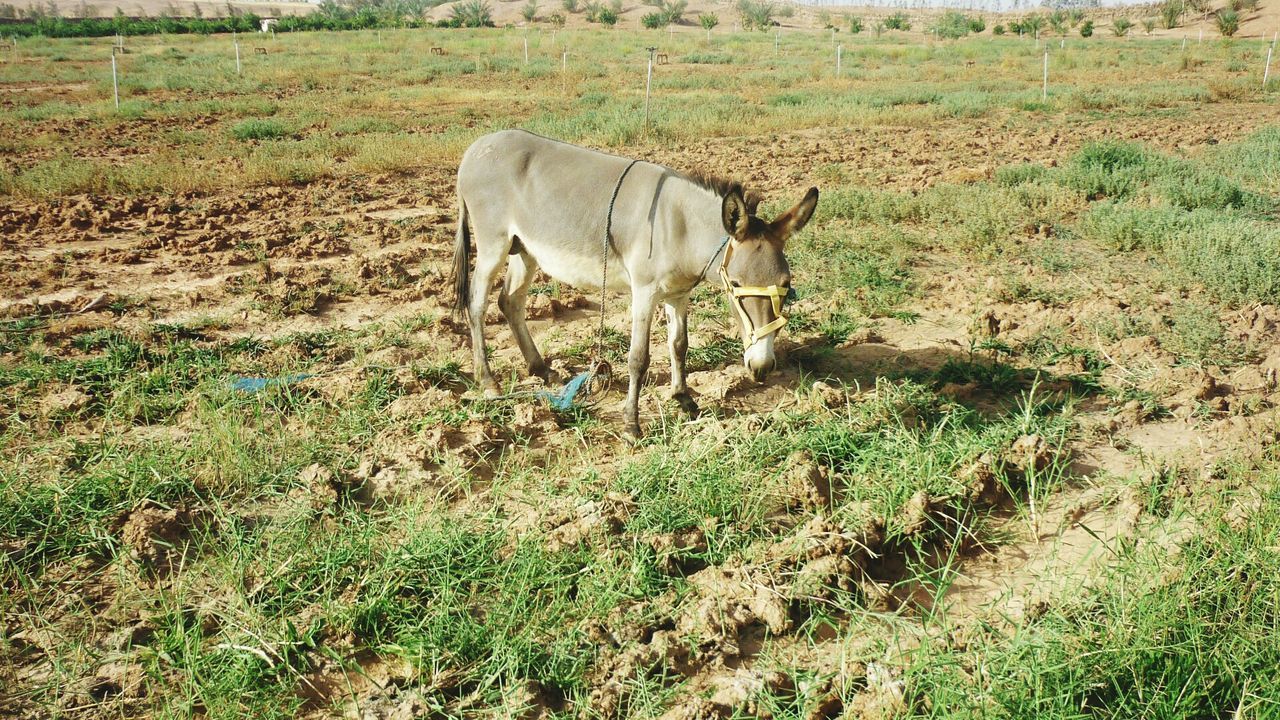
x=733 y=213
x=792 y=221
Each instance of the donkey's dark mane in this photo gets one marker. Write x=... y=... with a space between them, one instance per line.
x=723 y=186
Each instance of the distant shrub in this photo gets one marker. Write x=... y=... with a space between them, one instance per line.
x=1086 y=28
x=570 y=6
x=953 y=25
x=998 y=30
x=674 y=10
x=855 y=24
x=557 y=19
x=1171 y=13
x=898 y=21
x=977 y=24
x=1148 y=24
x=607 y=16
x=756 y=14
x=653 y=20
x=1228 y=22
x=1121 y=26
x=472 y=14
x=530 y=11
x=708 y=21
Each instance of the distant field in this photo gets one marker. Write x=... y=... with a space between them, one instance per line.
x=1018 y=460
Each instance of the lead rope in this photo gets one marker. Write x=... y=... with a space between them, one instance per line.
x=601 y=368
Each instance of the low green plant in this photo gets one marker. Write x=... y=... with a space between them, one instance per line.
x=1228 y=22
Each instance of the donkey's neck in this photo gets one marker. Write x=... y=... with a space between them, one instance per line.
x=704 y=233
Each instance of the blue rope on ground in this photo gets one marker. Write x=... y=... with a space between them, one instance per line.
x=563 y=400
x=257 y=384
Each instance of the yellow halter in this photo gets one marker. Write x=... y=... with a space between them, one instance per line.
x=773 y=292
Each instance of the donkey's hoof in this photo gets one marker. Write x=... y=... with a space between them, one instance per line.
x=491 y=391
x=687 y=405
x=631 y=433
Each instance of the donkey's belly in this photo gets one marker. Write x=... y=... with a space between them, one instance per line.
x=577 y=269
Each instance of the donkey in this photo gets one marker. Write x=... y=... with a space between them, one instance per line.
x=540 y=203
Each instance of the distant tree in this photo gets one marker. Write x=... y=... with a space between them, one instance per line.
x=570 y=6
x=878 y=28
x=952 y=25
x=1148 y=25
x=997 y=30
x=653 y=20
x=1086 y=28
x=472 y=14
x=607 y=17
x=591 y=10
x=674 y=10
x=1171 y=13
x=977 y=24
x=1076 y=16
x=756 y=14
x=557 y=20
x=530 y=11
x=1121 y=26
x=855 y=24
x=708 y=21
x=1228 y=22
x=898 y=21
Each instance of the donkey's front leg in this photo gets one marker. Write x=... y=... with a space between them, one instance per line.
x=678 y=342
x=642 y=306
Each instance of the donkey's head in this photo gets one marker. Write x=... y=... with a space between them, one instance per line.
x=756 y=274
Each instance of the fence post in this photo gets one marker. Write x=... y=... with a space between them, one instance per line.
x=1266 y=70
x=115 y=82
x=1044 y=91
x=237 y=44
x=526 y=50
x=839 y=52
x=648 y=82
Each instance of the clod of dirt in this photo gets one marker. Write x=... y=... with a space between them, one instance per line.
x=117 y=680
x=979 y=477
x=157 y=537
x=677 y=551
x=958 y=391
x=737 y=694
x=828 y=395
x=806 y=483
x=378 y=484
x=915 y=514
x=1143 y=349
x=65 y=401
x=533 y=419
x=719 y=384
x=420 y=403
x=882 y=700
x=319 y=487
x=1190 y=386
x=545 y=306
x=604 y=516
x=1029 y=453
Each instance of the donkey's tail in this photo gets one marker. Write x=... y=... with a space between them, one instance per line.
x=461 y=263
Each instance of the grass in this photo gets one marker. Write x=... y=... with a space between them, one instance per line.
x=1184 y=634
x=333 y=525
x=888 y=81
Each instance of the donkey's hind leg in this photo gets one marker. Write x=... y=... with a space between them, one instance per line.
x=511 y=301
x=491 y=251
